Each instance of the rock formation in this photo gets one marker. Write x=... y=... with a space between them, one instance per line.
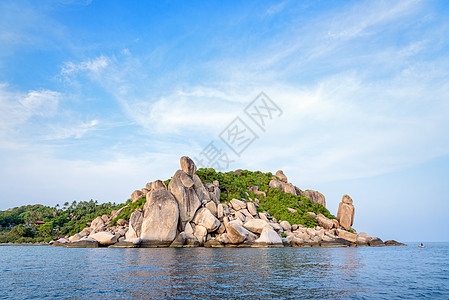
x=280 y=174
x=314 y=196
x=160 y=219
x=346 y=211
x=185 y=195
x=189 y=214
x=283 y=186
x=135 y=224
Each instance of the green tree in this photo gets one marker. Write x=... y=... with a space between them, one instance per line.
x=45 y=229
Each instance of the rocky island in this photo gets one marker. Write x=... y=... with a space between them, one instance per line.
x=195 y=209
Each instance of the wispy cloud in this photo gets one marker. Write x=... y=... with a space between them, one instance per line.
x=277 y=8
x=77 y=131
x=91 y=67
x=341 y=124
x=17 y=108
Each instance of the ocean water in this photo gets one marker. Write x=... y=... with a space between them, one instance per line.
x=39 y=272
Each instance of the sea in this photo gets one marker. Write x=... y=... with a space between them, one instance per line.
x=45 y=272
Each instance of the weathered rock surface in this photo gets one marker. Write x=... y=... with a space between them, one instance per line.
x=256 y=225
x=286 y=225
x=187 y=198
x=158 y=185
x=186 y=180
x=97 y=224
x=393 y=243
x=75 y=237
x=212 y=207
x=213 y=243
x=201 y=191
x=363 y=239
x=104 y=238
x=237 y=204
x=187 y=165
x=188 y=228
x=315 y=197
x=84 y=243
x=345 y=215
x=236 y=233
x=324 y=222
x=376 y=242
x=346 y=199
x=136 y=195
x=160 y=218
x=191 y=241
x=179 y=241
x=240 y=216
x=135 y=225
x=204 y=217
x=285 y=187
x=338 y=242
x=346 y=235
x=121 y=222
x=280 y=174
x=61 y=242
x=127 y=243
x=269 y=237
x=252 y=208
x=200 y=233
x=214 y=191
x=114 y=214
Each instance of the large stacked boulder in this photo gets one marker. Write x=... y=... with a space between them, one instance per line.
x=346 y=211
x=269 y=237
x=160 y=221
x=280 y=174
x=135 y=224
x=188 y=190
x=104 y=238
x=136 y=195
x=283 y=186
x=315 y=197
x=324 y=222
x=213 y=191
x=205 y=218
x=237 y=234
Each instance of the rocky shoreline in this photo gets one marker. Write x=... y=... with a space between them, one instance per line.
x=188 y=213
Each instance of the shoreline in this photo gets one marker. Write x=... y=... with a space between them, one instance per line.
x=25 y=244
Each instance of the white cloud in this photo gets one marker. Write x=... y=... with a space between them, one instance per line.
x=194 y=111
x=368 y=18
x=338 y=125
x=277 y=8
x=76 y=131
x=16 y=108
x=92 y=67
x=349 y=127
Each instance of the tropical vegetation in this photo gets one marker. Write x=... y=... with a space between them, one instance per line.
x=36 y=223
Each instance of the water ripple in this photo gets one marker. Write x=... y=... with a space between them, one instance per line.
x=240 y=273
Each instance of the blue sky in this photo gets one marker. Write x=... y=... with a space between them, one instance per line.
x=99 y=97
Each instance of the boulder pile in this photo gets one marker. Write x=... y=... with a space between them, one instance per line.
x=188 y=213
